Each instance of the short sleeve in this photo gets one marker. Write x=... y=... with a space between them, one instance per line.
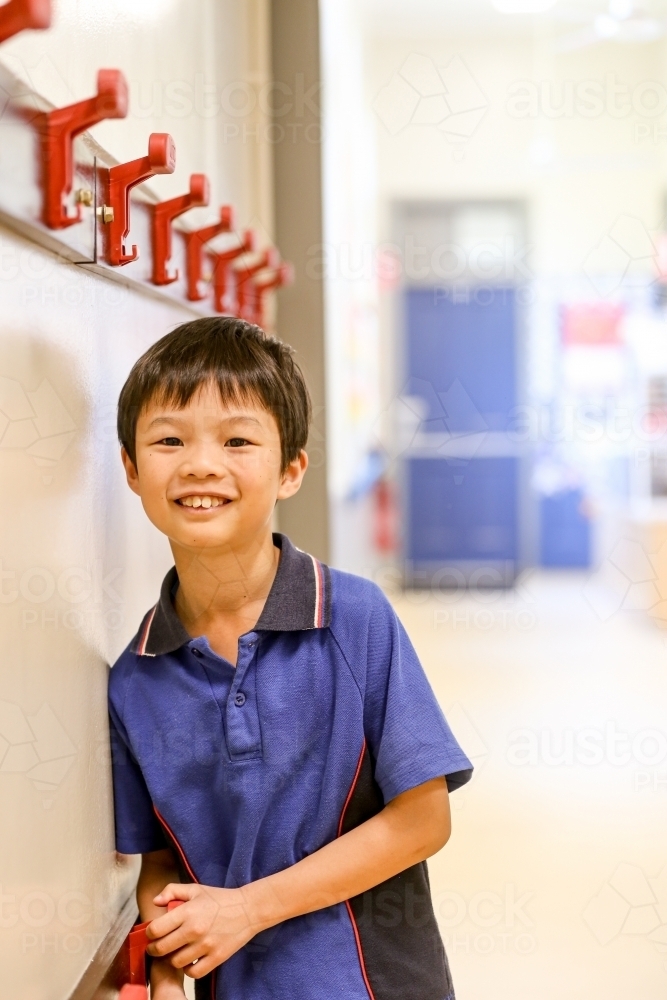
x=137 y=828
x=407 y=733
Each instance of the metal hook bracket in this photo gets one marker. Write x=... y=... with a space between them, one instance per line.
x=161 y=159
x=221 y=265
x=162 y=216
x=194 y=249
x=248 y=300
x=57 y=131
x=17 y=15
x=282 y=276
x=136 y=943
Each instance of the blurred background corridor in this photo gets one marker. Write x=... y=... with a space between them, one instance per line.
x=459 y=217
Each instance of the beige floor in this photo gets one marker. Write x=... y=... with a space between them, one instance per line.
x=554 y=883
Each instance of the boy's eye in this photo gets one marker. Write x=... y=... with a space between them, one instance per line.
x=171 y=442
x=236 y=443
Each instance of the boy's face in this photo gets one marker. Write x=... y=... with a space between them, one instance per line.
x=209 y=474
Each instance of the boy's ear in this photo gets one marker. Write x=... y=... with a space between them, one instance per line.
x=292 y=477
x=130 y=471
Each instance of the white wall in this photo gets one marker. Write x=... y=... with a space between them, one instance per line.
x=349 y=252
x=80 y=563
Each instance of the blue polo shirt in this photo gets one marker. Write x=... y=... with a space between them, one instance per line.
x=243 y=771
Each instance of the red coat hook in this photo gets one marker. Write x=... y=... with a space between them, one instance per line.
x=163 y=214
x=248 y=300
x=57 y=131
x=221 y=266
x=282 y=276
x=194 y=248
x=17 y=15
x=137 y=942
x=161 y=159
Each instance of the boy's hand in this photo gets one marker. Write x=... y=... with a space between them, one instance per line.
x=210 y=927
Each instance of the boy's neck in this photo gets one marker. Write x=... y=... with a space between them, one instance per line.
x=222 y=593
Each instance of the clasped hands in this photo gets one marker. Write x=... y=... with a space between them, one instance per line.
x=210 y=926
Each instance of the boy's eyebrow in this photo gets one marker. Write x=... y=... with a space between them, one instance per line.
x=175 y=419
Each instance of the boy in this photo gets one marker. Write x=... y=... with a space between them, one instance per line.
x=280 y=761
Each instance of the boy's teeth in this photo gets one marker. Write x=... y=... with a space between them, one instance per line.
x=205 y=502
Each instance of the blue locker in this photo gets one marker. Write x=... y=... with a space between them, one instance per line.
x=462 y=512
x=461 y=360
x=472 y=342
x=565 y=531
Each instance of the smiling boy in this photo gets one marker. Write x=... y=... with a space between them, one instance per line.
x=279 y=759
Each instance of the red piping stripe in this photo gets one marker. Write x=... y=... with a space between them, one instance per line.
x=352 y=787
x=144 y=637
x=319 y=607
x=361 y=956
x=355 y=929
x=214 y=973
x=178 y=846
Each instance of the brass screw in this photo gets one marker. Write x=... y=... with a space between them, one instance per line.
x=84 y=196
x=105 y=213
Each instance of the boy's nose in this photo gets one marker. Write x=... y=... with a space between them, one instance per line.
x=203 y=463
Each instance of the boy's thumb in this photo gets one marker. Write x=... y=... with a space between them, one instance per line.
x=173 y=894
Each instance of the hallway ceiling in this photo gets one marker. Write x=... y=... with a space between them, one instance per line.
x=640 y=20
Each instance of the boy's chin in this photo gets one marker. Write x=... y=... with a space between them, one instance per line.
x=204 y=536
x=214 y=534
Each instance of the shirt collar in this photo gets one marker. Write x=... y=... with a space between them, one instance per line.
x=300 y=598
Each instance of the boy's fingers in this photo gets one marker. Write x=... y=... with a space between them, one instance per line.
x=165 y=924
x=185 y=956
x=173 y=891
x=201 y=968
x=168 y=943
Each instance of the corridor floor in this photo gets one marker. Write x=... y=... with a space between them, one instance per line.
x=554 y=883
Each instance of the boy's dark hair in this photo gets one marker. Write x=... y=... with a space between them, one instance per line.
x=239 y=357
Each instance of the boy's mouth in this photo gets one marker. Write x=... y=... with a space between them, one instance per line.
x=204 y=500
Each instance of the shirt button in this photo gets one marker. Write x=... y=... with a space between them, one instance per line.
x=197 y=652
x=239 y=699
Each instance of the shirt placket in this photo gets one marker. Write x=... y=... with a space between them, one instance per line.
x=244 y=738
